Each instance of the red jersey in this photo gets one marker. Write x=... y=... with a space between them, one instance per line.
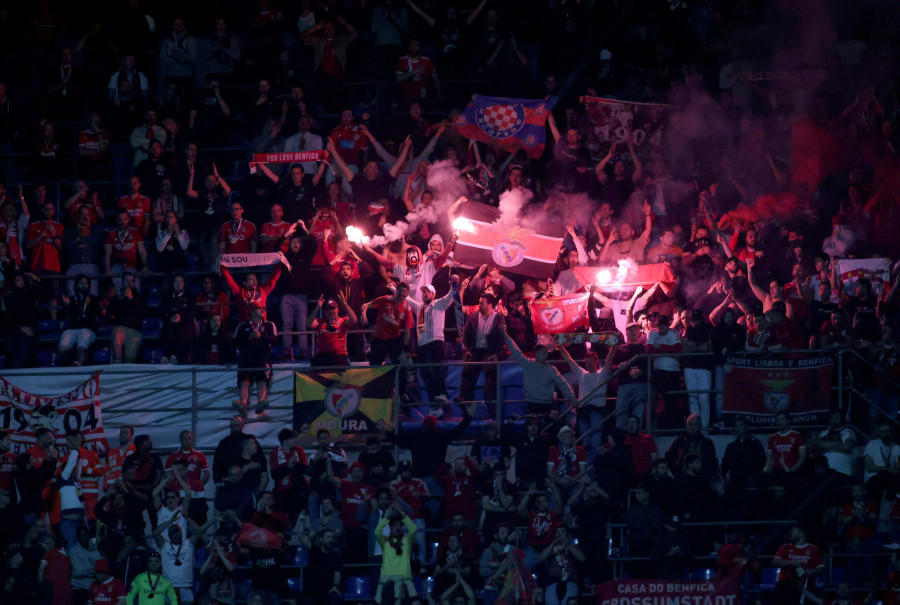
x=237 y=236
x=196 y=462
x=350 y=142
x=325 y=222
x=566 y=463
x=44 y=256
x=90 y=471
x=13 y=233
x=59 y=573
x=207 y=305
x=807 y=555
x=727 y=561
x=90 y=141
x=7 y=468
x=393 y=317
x=414 y=492
x=541 y=526
x=250 y=298
x=124 y=246
x=353 y=495
x=278 y=458
x=138 y=209
x=114 y=459
x=786 y=446
x=109 y=592
x=857 y=528
x=37 y=455
x=642 y=449
x=332 y=338
x=271 y=229
x=459 y=491
x=423 y=69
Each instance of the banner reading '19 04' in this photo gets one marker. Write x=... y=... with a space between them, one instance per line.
x=22 y=414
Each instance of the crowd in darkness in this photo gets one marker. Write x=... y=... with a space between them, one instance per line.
x=126 y=136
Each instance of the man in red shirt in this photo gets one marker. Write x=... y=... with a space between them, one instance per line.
x=565 y=460
x=643 y=447
x=390 y=337
x=105 y=589
x=13 y=229
x=331 y=332
x=44 y=241
x=355 y=494
x=137 y=206
x=116 y=456
x=7 y=464
x=785 y=450
x=414 y=73
x=349 y=139
x=123 y=246
x=237 y=236
x=250 y=294
x=270 y=232
x=460 y=488
x=798 y=561
x=288 y=466
x=198 y=474
x=415 y=493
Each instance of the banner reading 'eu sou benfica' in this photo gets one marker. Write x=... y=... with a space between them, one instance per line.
x=510 y=124
x=757 y=387
x=350 y=403
x=667 y=592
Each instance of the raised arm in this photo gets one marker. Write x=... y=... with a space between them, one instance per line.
x=379 y=148
x=600 y=168
x=754 y=285
x=567 y=357
x=554 y=130
x=345 y=170
x=404 y=153
x=419 y=11
x=638 y=167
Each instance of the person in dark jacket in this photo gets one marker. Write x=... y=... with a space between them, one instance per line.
x=80 y=313
x=296 y=287
x=254 y=340
x=483 y=338
x=21 y=321
x=215 y=346
x=177 y=311
x=126 y=314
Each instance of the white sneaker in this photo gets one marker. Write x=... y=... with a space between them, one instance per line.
x=164 y=359
x=442 y=398
x=173 y=360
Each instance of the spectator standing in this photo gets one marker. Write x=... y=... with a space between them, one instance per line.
x=178 y=332
x=80 y=315
x=254 y=340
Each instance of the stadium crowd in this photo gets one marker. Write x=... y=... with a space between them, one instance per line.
x=127 y=134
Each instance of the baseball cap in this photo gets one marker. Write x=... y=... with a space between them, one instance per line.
x=428 y=287
x=564 y=429
x=405 y=465
x=330 y=303
x=102 y=566
x=355 y=465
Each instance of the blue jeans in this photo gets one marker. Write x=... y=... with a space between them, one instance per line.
x=294 y=313
x=631 y=400
x=68 y=529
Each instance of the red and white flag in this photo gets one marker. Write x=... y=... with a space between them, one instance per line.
x=560 y=314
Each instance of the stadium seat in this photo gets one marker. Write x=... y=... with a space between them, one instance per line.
x=708 y=573
x=102 y=356
x=301 y=556
x=47 y=359
x=358 y=588
x=431 y=552
x=769 y=577
x=277 y=352
x=295 y=584
x=151 y=327
x=49 y=329
x=151 y=355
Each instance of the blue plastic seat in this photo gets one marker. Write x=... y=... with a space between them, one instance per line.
x=708 y=573
x=358 y=588
x=768 y=578
x=102 y=356
x=151 y=327
x=301 y=556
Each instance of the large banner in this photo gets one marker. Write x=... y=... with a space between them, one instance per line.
x=560 y=314
x=627 y=276
x=23 y=413
x=876 y=270
x=350 y=403
x=510 y=124
x=757 y=387
x=616 y=121
x=667 y=592
x=511 y=249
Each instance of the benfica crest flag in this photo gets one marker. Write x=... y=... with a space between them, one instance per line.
x=876 y=270
x=510 y=124
x=627 y=277
x=352 y=402
x=560 y=314
x=512 y=249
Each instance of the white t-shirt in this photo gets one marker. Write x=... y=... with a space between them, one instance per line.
x=840 y=461
x=881 y=454
x=588 y=381
x=669 y=364
x=181 y=576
